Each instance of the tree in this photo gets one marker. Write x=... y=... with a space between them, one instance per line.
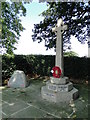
x=11 y=24
x=71 y=53
x=74 y=14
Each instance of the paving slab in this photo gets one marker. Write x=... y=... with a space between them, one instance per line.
x=10 y=92
x=16 y=105
x=28 y=103
x=0 y=95
x=81 y=107
x=30 y=112
x=4 y=115
x=0 y=105
x=45 y=106
x=0 y=102
x=7 y=98
x=0 y=111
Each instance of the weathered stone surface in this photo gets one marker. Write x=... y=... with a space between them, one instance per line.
x=59 y=29
x=55 y=87
x=48 y=95
x=61 y=80
x=59 y=96
x=59 y=89
x=18 y=80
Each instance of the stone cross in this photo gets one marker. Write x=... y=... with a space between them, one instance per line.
x=59 y=29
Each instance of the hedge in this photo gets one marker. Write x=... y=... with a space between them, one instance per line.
x=74 y=67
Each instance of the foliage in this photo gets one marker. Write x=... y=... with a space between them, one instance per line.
x=8 y=66
x=24 y=63
x=11 y=24
x=34 y=64
x=74 y=14
x=0 y=69
x=74 y=67
x=71 y=53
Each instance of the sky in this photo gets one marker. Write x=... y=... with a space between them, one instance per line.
x=27 y=46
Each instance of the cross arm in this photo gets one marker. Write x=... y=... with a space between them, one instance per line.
x=65 y=27
x=54 y=29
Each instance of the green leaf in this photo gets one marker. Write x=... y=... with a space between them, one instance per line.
x=11 y=23
x=72 y=13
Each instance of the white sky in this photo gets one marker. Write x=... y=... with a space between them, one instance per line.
x=27 y=46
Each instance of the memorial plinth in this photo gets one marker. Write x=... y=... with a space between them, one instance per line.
x=61 y=91
x=59 y=88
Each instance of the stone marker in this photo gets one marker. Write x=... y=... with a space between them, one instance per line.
x=59 y=89
x=18 y=80
x=59 y=29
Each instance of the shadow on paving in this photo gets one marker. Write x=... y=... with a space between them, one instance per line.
x=28 y=103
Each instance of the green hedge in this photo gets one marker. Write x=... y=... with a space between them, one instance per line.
x=74 y=67
x=34 y=64
x=8 y=66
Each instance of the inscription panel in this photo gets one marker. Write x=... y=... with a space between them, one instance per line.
x=58 y=87
x=52 y=87
x=62 y=88
x=55 y=87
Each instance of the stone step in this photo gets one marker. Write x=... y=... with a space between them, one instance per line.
x=59 y=81
x=59 y=96
x=55 y=87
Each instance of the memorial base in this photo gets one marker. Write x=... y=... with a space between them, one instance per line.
x=61 y=91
